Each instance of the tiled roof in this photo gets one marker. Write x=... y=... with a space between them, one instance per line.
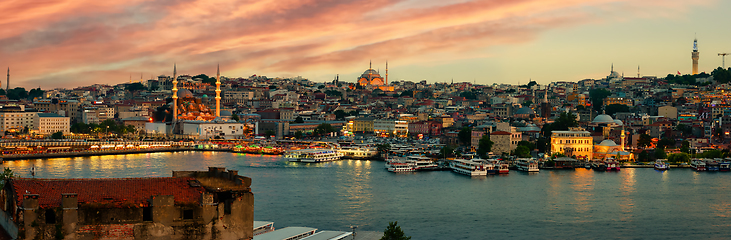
x=500 y=133
x=114 y=191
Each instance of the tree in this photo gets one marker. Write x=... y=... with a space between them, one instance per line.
x=564 y=122
x=527 y=144
x=660 y=153
x=597 y=96
x=522 y=151
x=298 y=135
x=643 y=156
x=273 y=87
x=468 y=95
x=333 y=93
x=721 y=75
x=235 y=117
x=685 y=130
x=394 y=232
x=666 y=143
x=340 y=114
x=299 y=120
x=644 y=140
x=407 y=93
x=134 y=87
x=324 y=128
x=206 y=79
x=465 y=136
x=611 y=109
x=484 y=146
x=57 y=135
x=678 y=157
x=8 y=174
x=685 y=147
x=446 y=151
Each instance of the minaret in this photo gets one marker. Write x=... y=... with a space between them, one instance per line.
x=386 y=82
x=622 y=136
x=370 y=64
x=218 y=91
x=175 y=93
x=638 y=71
x=694 y=55
x=7 y=85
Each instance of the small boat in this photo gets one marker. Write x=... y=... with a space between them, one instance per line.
x=724 y=166
x=527 y=165
x=712 y=165
x=313 y=155
x=598 y=166
x=661 y=165
x=612 y=166
x=468 y=167
x=698 y=165
x=587 y=165
x=501 y=167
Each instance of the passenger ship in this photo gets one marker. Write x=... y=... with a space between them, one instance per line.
x=527 y=165
x=313 y=155
x=612 y=166
x=358 y=152
x=469 y=167
x=401 y=166
x=698 y=165
x=501 y=167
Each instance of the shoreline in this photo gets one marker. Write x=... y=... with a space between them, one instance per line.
x=103 y=153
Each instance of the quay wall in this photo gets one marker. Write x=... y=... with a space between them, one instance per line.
x=102 y=153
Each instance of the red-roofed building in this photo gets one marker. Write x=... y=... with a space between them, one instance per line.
x=189 y=205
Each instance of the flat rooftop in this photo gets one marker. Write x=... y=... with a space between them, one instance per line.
x=284 y=233
x=329 y=235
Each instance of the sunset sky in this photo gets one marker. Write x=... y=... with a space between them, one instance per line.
x=70 y=43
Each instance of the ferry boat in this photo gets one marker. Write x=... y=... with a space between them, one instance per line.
x=489 y=166
x=468 y=167
x=661 y=165
x=500 y=167
x=358 y=152
x=724 y=166
x=712 y=165
x=698 y=165
x=527 y=165
x=612 y=166
x=313 y=155
x=422 y=163
x=401 y=166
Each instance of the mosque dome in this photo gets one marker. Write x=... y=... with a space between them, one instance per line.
x=525 y=111
x=205 y=96
x=608 y=143
x=185 y=93
x=603 y=118
x=370 y=73
x=614 y=75
x=225 y=113
x=618 y=122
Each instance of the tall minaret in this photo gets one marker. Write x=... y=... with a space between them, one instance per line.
x=694 y=55
x=622 y=136
x=175 y=93
x=7 y=85
x=386 y=82
x=218 y=91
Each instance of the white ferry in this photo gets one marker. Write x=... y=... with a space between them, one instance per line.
x=698 y=165
x=358 y=152
x=500 y=166
x=661 y=165
x=401 y=166
x=527 y=165
x=313 y=155
x=468 y=167
x=422 y=163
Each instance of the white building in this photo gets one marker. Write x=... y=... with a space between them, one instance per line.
x=206 y=129
x=391 y=127
x=97 y=114
x=15 y=118
x=50 y=123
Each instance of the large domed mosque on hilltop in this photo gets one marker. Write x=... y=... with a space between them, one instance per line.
x=372 y=79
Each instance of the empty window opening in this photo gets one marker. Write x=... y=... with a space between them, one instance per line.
x=147 y=214
x=50 y=216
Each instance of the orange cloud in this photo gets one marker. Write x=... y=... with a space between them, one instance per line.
x=65 y=43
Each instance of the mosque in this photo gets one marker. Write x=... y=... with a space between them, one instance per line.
x=579 y=144
x=372 y=79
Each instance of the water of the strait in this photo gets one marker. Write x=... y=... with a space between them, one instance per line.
x=575 y=204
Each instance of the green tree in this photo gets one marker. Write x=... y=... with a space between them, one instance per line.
x=333 y=93
x=465 y=136
x=644 y=140
x=678 y=157
x=324 y=128
x=446 y=151
x=340 y=114
x=273 y=87
x=643 y=156
x=206 y=79
x=611 y=109
x=35 y=93
x=564 y=122
x=235 y=117
x=527 y=144
x=685 y=130
x=722 y=75
x=57 y=135
x=134 y=87
x=298 y=135
x=712 y=154
x=407 y=93
x=522 y=151
x=660 y=153
x=468 y=95
x=666 y=143
x=597 y=96
x=7 y=174
x=685 y=147
x=484 y=146
x=299 y=120
x=394 y=232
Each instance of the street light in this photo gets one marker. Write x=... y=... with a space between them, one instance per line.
x=353 y=229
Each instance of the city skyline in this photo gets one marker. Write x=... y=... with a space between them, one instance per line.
x=69 y=43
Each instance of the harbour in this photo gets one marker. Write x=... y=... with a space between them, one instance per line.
x=631 y=203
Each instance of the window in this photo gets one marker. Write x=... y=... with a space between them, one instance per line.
x=147 y=214
x=187 y=213
x=50 y=216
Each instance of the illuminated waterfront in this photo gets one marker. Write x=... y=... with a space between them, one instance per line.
x=632 y=203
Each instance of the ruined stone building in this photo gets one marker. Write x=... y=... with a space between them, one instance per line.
x=213 y=204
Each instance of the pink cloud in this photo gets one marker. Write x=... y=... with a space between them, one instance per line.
x=64 y=43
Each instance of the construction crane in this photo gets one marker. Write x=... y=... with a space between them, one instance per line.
x=723 y=58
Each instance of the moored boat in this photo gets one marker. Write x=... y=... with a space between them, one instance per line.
x=612 y=166
x=356 y=152
x=527 y=165
x=468 y=167
x=661 y=165
x=712 y=165
x=724 y=166
x=598 y=166
x=312 y=155
x=698 y=165
x=401 y=166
